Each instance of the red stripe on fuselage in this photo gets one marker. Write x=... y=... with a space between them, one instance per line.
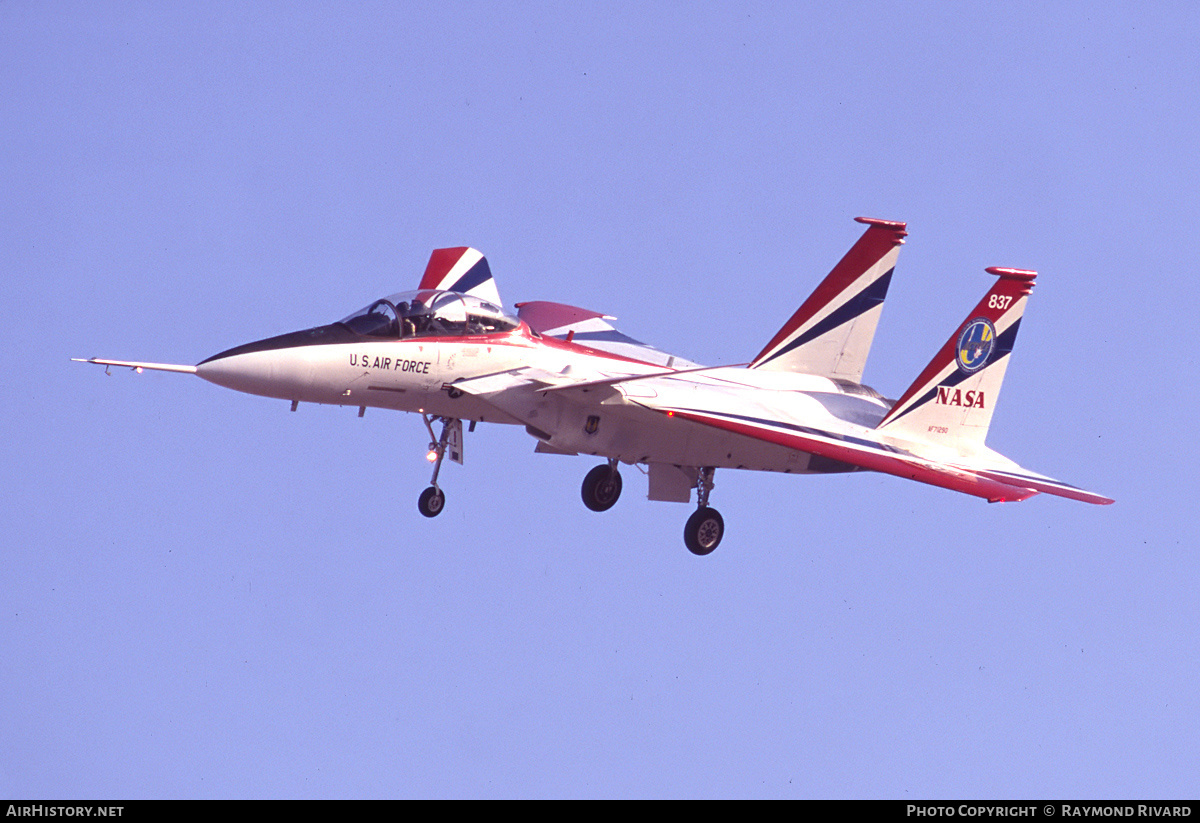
x=959 y=480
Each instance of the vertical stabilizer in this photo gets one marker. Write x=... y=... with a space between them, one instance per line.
x=951 y=403
x=831 y=333
x=461 y=269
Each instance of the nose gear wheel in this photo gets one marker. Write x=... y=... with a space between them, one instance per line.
x=431 y=502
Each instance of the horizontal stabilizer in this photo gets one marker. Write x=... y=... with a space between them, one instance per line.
x=993 y=484
x=864 y=453
x=1046 y=485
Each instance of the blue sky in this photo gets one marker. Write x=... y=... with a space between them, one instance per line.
x=207 y=596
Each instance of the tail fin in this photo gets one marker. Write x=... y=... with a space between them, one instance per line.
x=461 y=269
x=951 y=403
x=831 y=333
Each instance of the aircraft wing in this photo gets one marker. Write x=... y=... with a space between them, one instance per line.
x=521 y=377
x=991 y=484
x=512 y=391
x=612 y=382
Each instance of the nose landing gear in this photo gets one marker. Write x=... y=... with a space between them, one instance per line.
x=433 y=499
x=705 y=528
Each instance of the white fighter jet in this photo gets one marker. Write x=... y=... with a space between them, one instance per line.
x=448 y=352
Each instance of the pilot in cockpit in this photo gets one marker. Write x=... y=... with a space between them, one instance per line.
x=418 y=318
x=407 y=329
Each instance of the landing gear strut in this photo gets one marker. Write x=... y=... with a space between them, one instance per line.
x=705 y=527
x=602 y=487
x=433 y=499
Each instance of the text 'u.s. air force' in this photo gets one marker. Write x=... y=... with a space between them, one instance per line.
x=388 y=364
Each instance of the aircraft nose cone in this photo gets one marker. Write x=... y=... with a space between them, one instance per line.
x=282 y=366
x=274 y=367
x=249 y=372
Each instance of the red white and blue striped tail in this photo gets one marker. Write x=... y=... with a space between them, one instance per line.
x=461 y=269
x=952 y=402
x=831 y=333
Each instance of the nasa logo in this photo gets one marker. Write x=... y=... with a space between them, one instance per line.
x=948 y=396
x=975 y=345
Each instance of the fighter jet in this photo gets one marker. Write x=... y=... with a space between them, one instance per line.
x=449 y=352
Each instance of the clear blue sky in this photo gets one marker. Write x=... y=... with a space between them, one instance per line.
x=205 y=595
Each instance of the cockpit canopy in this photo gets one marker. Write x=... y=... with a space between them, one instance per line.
x=428 y=313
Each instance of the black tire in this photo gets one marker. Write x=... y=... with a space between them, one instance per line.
x=601 y=488
x=703 y=531
x=431 y=502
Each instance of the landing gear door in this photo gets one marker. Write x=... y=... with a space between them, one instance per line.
x=454 y=441
x=672 y=484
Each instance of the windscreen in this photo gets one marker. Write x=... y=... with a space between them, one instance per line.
x=429 y=314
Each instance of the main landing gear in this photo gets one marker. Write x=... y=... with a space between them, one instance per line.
x=602 y=487
x=705 y=527
x=433 y=499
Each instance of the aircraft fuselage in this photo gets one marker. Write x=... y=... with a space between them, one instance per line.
x=419 y=375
